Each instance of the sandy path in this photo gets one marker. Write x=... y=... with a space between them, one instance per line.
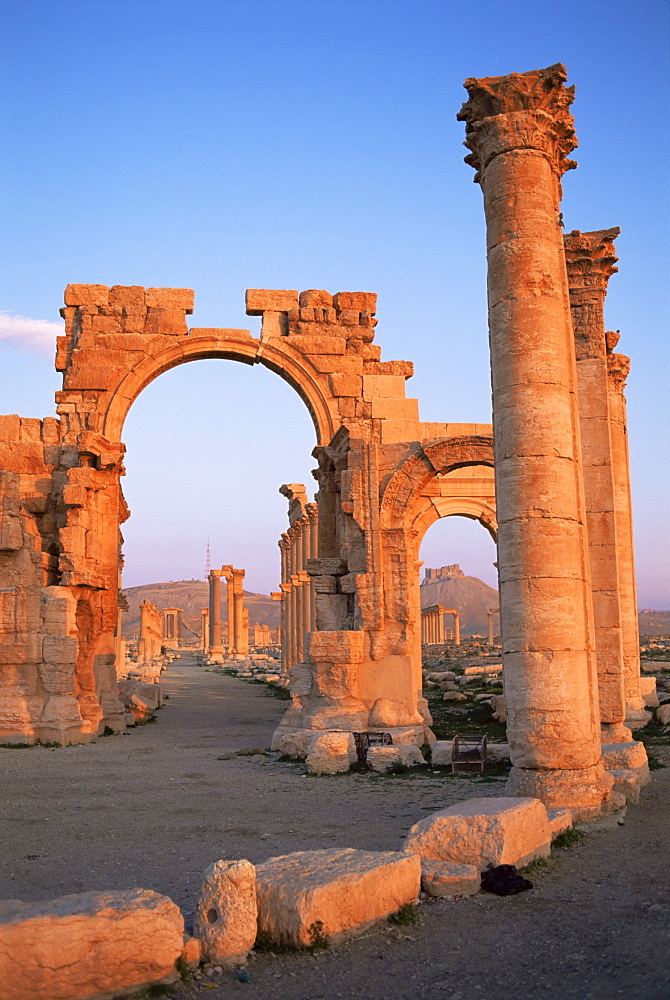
x=154 y=808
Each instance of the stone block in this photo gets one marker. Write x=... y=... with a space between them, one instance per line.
x=126 y=295
x=226 y=912
x=560 y=820
x=383 y=759
x=182 y=299
x=480 y=832
x=86 y=295
x=453 y=696
x=445 y=879
x=648 y=692
x=336 y=647
x=341 y=888
x=292 y=743
x=315 y=298
x=629 y=781
x=663 y=714
x=631 y=754
x=273 y=299
x=440 y=753
x=360 y=301
x=315 y=344
x=88 y=945
x=331 y=753
x=390 y=714
x=499 y=708
x=191 y=952
x=345 y=385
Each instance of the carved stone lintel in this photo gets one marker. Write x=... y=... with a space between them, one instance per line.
x=618 y=367
x=520 y=111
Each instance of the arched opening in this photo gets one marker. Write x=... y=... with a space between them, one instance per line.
x=207 y=446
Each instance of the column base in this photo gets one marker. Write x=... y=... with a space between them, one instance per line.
x=615 y=732
x=586 y=792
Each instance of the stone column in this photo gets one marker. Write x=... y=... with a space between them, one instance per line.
x=204 y=628
x=590 y=260
x=519 y=131
x=618 y=366
x=227 y=572
x=457 y=628
x=440 y=625
x=143 y=649
x=215 y=647
x=312 y=512
x=489 y=615
x=241 y=640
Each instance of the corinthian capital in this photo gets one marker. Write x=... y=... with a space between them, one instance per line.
x=520 y=111
x=618 y=366
x=590 y=258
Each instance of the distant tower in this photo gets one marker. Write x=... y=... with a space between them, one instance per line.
x=208 y=562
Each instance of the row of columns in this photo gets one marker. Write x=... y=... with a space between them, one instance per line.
x=432 y=625
x=238 y=616
x=297 y=545
x=172 y=625
x=550 y=503
x=151 y=633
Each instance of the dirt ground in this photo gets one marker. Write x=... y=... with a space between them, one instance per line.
x=154 y=808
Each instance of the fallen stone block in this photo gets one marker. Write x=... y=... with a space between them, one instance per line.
x=490 y=668
x=648 y=692
x=445 y=879
x=629 y=781
x=292 y=743
x=441 y=675
x=440 y=753
x=484 y=831
x=560 y=820
x=629 y=755
x=663 y=715
x=331 y=753
x=453 y=696
x=383 y=759
x=88 y=945
x=225 y=918
x=191 y=952
x=341 y=888
x=499 y=708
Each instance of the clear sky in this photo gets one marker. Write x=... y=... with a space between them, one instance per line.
x=314 y=144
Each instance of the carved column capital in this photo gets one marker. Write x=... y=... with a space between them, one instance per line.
x=590 y=258
x=520 y=111
x=618 y=367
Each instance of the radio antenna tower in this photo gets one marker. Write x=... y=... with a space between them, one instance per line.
x=208 y=561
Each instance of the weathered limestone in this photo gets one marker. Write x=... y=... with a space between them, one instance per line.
x=331 y=753
x=215 y=640
x=386 y=758
x=506 y=831
x=618 y=366
x=89 y=944
x=225 y=918
x=590 y=259
x=151 y=633
x=489 y=622
x=342 y=889
x=445 y=879
x=204 y=629
x=520 y=132
x=172 y=625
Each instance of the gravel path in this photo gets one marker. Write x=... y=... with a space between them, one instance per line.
x=156 y=807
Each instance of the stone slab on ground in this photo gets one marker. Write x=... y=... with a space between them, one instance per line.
x=560 y=820
x=445 y=879
x=225 y=918
x=383 y=759
x=630 y=755
x=342 y=888
x=89 y=944
x=480 y=832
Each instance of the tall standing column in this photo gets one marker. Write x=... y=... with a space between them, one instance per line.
x=312 y=512
x=283 y=608
x=227 y=572
x=520 y=131
x=490 y=626
x=241 y=638
x=204 y=628
x=618 y=366
x=215 y=647
x=590 y=260
x=457 y=628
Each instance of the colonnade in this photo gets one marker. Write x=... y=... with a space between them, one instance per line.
x=297 y=545
x=151 y=633
x=238 y=616
x=432 y=625
x=172 y=625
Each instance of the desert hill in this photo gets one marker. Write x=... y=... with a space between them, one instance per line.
x=654 y=623
x=190 y=596
x=470 y=596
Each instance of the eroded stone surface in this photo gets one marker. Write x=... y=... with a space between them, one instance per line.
x=446 y=879
x=343 y=888
x=225 y=919
x=88 y=944
x=484 y=831
x=331 y=753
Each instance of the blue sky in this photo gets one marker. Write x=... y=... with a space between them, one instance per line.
x=289 y=144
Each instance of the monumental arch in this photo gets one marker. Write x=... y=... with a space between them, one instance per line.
x=561 y=510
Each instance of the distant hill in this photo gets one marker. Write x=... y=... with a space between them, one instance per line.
x=190 y=596
x=654 y=622
x=470 y=596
